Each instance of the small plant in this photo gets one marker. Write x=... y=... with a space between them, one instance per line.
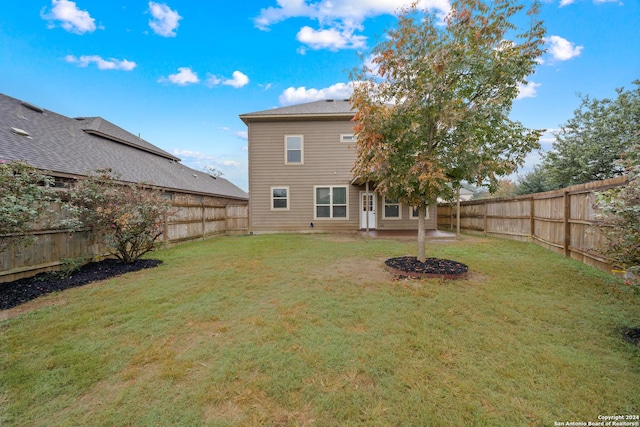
x=24 y=197
x=127 y=217
x=70 y=266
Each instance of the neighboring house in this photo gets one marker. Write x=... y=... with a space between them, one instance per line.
x=69 y=147
x=300 y=174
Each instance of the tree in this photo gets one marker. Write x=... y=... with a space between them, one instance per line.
x=436 y=108
x=620 y=209
x=24 y=196
x=128 y=217
x=536 y=181
x=588 y=146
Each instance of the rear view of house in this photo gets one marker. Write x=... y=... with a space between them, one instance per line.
x=300 y=174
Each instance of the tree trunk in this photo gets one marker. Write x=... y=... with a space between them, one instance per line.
x=458 y=212
x=422 y=257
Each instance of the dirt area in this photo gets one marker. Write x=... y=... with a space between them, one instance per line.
x=20 y=291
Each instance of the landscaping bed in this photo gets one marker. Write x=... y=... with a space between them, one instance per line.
x=408 y=266
x=23 y=290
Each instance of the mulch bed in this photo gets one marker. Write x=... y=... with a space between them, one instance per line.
x=410 y=267
x=23 y=290
x=632 y=335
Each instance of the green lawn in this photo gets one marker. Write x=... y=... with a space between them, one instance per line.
x=311 y=330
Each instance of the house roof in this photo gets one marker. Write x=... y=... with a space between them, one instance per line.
x=68 y=146
x=325 y=109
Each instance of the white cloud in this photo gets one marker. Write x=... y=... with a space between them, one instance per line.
x=292 y=96
x=562 y=49
x=568 y=2
x=332 y=39
x=183 y=77
x=165 y=21
x=242 y=134
x=204 y=159
x=102 y=64
x=237 y=80
x=338 y=20
x=71 y=18
x=528 y=90
x=347 y=11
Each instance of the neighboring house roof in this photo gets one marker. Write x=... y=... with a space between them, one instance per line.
x=66 y=146
x=325 y=109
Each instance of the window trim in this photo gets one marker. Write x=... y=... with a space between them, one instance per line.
x=286 y=150
x=384 y=210
x=331 y=204
x=411 y=216
x=288 y=198
x=352 y=137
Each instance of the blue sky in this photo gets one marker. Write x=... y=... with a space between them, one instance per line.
x=180 y=72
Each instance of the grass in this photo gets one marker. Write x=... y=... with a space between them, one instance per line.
x=310 y=330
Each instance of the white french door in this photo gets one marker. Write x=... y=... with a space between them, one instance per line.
x=367 y=209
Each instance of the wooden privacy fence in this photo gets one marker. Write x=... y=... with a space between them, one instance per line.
x=561 y=220
x=190 y=220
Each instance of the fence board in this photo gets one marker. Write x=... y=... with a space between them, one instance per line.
x=562 y=220
x=189 y=221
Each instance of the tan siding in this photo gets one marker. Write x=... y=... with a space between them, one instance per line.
x=327 y=162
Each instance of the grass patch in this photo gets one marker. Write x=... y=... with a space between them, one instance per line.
x=311 y=330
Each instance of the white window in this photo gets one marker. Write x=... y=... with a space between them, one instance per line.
x=279 y=198
x=414 y=213
x=392 y=209
x=331 y=202
x=293 y=149
x=348 y=137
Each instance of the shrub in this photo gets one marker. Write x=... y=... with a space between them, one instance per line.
x=127 y=217
x=620 y=209
x=24 y=196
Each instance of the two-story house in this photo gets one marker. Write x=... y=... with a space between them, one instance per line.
x=300 y=174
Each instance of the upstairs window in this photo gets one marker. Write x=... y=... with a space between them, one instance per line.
x=331 y=202
x=294 y=149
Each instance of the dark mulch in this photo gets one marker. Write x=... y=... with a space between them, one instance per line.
x=23 y=290
x=632 y=335
x=432 y=267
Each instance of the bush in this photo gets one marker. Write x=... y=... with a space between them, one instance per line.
x=620 y=209
x=127 y=217
x=25 y=194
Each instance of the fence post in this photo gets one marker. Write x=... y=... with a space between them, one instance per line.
x=485 y=218
x=567 y=224
x=532 y=217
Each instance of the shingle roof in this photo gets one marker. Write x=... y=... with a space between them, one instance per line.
x=328 y=108
x=64 y=145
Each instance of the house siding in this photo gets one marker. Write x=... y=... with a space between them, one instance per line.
x=327 y=162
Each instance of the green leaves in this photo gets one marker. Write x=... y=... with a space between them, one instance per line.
x=25 y=194
x=589 y=144
x=441 y=99
x=126 y=217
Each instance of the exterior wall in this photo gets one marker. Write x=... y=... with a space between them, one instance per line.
x=326 y=162
x=405 y=222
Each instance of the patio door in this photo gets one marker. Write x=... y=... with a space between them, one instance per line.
x=367 y=209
